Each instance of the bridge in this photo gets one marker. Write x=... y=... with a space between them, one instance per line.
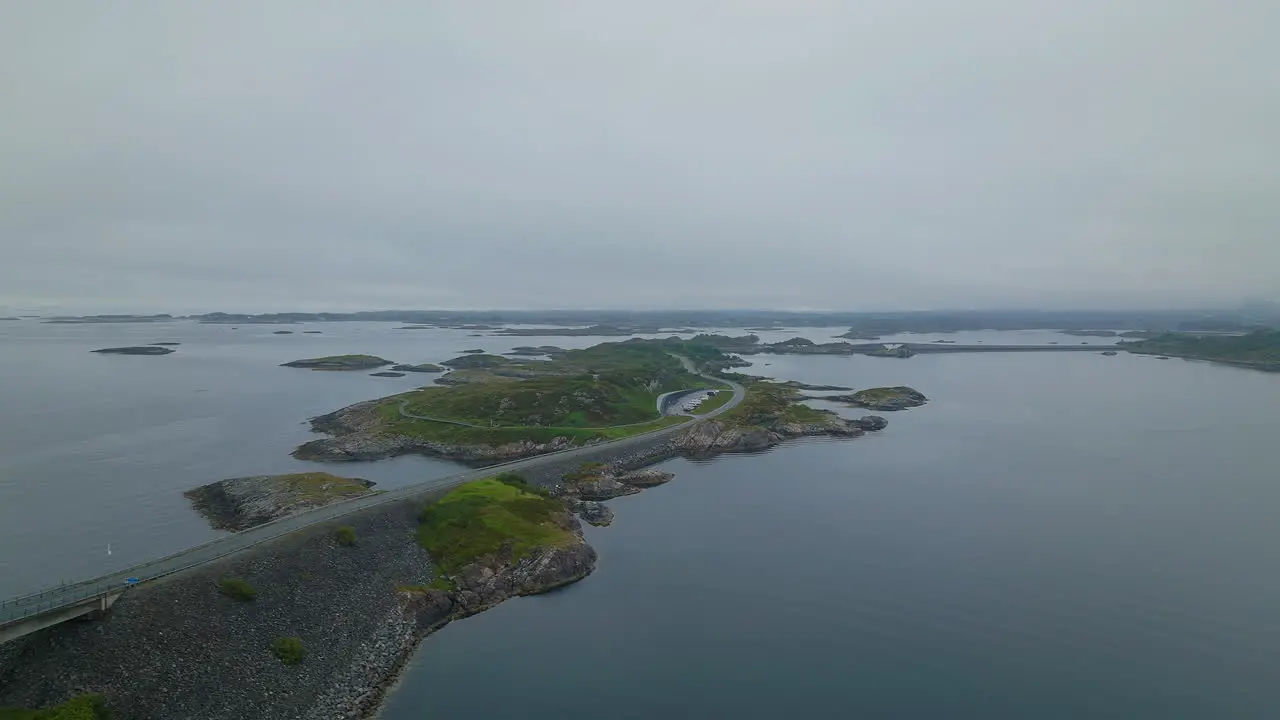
x=936 y=348
x=26 y=614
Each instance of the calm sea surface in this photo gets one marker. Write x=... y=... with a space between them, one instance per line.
x=1054 y=536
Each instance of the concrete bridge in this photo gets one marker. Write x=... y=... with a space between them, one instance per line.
x=26 y=614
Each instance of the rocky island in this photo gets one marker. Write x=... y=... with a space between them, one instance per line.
x=242 y=503
x=339 y=362
x=420 y=368
x=139 y=350
x=884 y=399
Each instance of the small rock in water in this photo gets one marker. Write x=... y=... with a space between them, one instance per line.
x=387 y=373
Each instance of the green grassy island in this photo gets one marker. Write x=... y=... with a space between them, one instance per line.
x=493 y=407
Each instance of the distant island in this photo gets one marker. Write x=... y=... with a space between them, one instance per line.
x=136 y=350
x=339 y=362
x=104 y=319
x=1259 y=350
x=420 y=368
x=884 y=399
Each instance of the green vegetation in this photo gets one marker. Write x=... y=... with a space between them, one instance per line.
x=80 y=707
x=322 y=486
x=346 y=536
x=714 y=402
x=1259 y=349
x=770 y=403
x=479 y=360
x=482 y=517
x=237 y=589
x=340 y=362
x=602 y=393
x=289 y=650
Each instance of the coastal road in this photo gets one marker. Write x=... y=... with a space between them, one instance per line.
x=16 y=609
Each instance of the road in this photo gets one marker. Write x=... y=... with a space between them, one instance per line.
x=37 y=603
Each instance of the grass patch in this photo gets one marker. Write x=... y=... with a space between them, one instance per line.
x=321 y=486
x=237 y=589
x=289 y=650
x=346 y=536
x=769 y=403
x=480 y=518
x=715 y=401
x=80 y=707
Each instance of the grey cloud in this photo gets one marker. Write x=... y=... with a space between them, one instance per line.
x=297 y=155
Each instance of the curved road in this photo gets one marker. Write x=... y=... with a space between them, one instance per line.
x=15 y=609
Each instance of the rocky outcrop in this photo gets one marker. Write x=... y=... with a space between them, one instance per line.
x=605 y=482
x=481 y=585
x=595 y=513
x=884 y=399
x=712 y=437
x=871 y=423
x=140 y=350
x=241 y=503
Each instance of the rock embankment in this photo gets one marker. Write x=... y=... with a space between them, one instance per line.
x=241 y=503
x=179 y=649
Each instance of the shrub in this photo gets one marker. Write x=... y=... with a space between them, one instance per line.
x=80 y=707
x=289 y=650
x=346 y=536
x=237 y=589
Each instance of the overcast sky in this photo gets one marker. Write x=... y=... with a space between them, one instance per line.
x=879 y=154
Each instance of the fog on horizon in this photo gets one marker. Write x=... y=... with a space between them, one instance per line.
x=289 y=156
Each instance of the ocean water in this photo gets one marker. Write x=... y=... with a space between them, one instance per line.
x=96 y=450
x=1053 y=536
